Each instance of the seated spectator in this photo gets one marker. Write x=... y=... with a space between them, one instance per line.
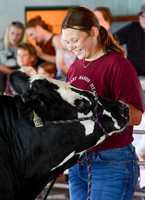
x=104 y=17
x=64 y=58
x=47 y=69
x=26 y=58
x=133 y=35
x=47 y=42
x=14 y=35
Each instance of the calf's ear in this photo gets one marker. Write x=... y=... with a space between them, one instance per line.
x=19 y=81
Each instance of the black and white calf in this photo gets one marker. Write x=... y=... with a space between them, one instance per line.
x=34 y=149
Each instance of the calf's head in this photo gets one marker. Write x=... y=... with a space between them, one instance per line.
x=57 y=100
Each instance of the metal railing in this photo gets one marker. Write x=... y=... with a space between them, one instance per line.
x=139 y=194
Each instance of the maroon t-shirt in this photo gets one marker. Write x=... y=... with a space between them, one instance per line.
x=114 y=77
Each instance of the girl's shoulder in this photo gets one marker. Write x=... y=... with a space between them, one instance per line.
x=56 y=41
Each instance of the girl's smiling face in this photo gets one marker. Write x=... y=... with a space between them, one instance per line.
x=35 y=33
x=82 y=44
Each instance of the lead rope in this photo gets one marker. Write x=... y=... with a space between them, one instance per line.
x=90 y=177
x=88 y=152
x=87 y=160
x=87 y=157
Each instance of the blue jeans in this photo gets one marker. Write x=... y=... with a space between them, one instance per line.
x=114 y=175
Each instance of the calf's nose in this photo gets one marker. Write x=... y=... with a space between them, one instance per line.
x=125 y=109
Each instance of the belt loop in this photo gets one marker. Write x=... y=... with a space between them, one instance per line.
x=131 y=147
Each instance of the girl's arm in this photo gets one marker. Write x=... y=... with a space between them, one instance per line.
x=135 y=115
x=5 y=69
x=60 y=61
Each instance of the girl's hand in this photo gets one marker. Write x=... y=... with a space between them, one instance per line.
x=142 y=157
x=39 y=51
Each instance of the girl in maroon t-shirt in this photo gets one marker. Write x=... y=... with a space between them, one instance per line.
x=103 y=69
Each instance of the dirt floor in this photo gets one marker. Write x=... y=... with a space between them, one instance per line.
x=63 y=194
x=60 y=191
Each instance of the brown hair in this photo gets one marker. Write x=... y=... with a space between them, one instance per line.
x=106 y=13
x=83 y=19
x=48 y=67
x=38 y=21
x=30 y=48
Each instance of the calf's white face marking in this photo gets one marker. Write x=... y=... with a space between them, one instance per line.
x=64 y=90
x=89 y=126
x=105 y=112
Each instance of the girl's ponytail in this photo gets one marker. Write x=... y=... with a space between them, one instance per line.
x=108 y=42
